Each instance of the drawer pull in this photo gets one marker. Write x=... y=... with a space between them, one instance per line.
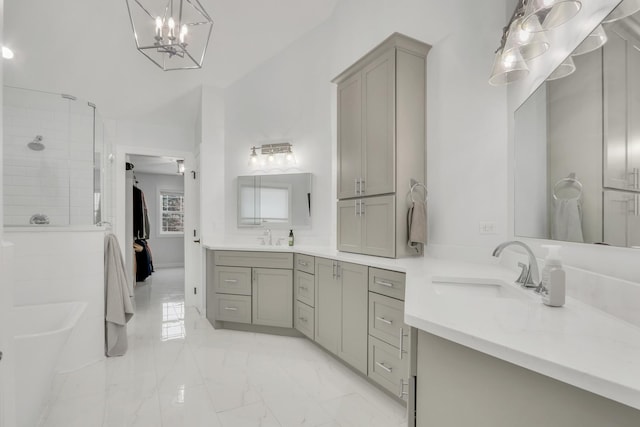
x=403 y=393
x=231 y=308
x=383 y=366
x=303 y=319
x=383 y=320
x=303 y=288
x=383 y=283
x=302 y=263
x=230 y=281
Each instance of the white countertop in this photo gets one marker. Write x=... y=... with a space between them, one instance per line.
x=576 y=344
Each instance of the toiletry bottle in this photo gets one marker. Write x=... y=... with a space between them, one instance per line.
x=553 y=278
x=290 y=237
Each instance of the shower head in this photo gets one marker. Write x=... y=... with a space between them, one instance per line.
x=36 y=144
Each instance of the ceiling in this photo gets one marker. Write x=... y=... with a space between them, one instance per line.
x=86 y=48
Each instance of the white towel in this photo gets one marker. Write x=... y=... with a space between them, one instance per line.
x=567 y=220
x=417 y=226
x=118 y=305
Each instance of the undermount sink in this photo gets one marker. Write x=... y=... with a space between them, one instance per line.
x=477 y=287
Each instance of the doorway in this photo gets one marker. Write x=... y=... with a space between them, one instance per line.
x=172 y=201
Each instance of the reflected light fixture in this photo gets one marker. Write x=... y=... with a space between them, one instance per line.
x=180 y=163
x=173 y=34
x=524 y=37
x=595 y=40
x=272 y=154
x=567 y=67
x=624 y=9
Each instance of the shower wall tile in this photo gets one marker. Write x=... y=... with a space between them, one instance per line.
x=57 y=181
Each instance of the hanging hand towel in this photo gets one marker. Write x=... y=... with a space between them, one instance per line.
x=417 y=226
x=118 y=305
x=567 y=220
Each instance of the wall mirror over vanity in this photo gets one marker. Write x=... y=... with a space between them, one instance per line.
x=275 y=201
x=577 y=144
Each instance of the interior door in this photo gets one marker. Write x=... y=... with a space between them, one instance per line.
x=193 y=254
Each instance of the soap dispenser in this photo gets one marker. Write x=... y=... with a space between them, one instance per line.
x=553 y=278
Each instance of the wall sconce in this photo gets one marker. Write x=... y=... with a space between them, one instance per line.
x=272 y=155
x=180 y=163
x=524 y=37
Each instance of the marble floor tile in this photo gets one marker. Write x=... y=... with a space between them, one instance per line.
x=179 y=371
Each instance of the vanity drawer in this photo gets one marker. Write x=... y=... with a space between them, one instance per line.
x=232 y=280
x=385 y=368
x=254 y=259
x=305 y=263
x=387 y=282
x=233 y=308
x=386 y=321
x=303 y=319
x=304 y=288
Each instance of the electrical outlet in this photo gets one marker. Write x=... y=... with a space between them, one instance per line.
x=487 y=227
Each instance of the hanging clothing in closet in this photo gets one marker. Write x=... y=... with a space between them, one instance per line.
x=143 y=260
x=141 y=224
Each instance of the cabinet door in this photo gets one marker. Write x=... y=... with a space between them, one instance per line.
x=327 y=310
x=272 y=299
x=378 y=130
x=349 y=136
x=353 y=314
x=349 y=226
x=378 y=226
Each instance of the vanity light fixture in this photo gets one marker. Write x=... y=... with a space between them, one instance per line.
x=567 y=67
x=173 y=34
x=180 y=163
x=272 y=154
x=524 y=37
x=624 y=9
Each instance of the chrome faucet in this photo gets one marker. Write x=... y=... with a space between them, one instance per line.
x=268 y=238
x=530 y=276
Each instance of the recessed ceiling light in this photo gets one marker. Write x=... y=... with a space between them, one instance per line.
x=7 y=53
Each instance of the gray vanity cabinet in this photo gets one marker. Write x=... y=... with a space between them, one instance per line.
x=367 y=226
x=304 y=294
x=272 y=297
x=381 y=145
x=341 y=310
x=250 y=287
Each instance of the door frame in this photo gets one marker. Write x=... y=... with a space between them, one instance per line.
x=119 y=225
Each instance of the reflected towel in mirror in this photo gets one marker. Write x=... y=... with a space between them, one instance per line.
x=567 y=220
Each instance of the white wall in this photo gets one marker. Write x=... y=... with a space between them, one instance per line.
x=290 y=97
x=168 y=251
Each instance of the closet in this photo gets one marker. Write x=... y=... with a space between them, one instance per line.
x=143 y=259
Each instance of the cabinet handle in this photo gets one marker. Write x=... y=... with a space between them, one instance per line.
x=362 y=205
x=302 y=263
x=357 y=186
x=383 y=320
x=303 y=319
x=383 y=283
x=304 y=288
x=362 y=186
x=231 y=308
x=403 y=393
x=401 y=352
x=333 y=273
x=338 y=274
x=383 y=366
x=230 y=281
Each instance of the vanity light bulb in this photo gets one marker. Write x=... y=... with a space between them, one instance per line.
x=524 y=36
x=271 y=158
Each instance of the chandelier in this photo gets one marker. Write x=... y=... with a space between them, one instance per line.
x=173 y=34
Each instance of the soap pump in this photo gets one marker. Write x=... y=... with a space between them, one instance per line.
x=553 y=278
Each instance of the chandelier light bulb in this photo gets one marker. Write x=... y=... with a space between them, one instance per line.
x=183 y=33
x=158 y=27
x=172 y=26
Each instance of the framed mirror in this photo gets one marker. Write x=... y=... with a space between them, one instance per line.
x=275 y=201
x=577 y=147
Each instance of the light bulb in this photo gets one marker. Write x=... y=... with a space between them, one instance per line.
x=183 y=33
x=271 y=158
x=172 y=26
x=289 y=157
x=524 y=36
x=509 y=60
x=7 y=53
x=158 y=26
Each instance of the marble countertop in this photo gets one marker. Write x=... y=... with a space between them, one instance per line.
x=576 y=344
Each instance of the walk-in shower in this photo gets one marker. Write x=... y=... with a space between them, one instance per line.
x=53 y=173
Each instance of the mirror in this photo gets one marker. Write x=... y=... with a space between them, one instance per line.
x=577 y=148
x=275 y=201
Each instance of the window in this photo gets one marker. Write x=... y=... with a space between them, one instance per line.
x=171 y=212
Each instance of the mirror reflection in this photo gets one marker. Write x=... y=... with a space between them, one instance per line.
x=276 y=201
x=577 y=146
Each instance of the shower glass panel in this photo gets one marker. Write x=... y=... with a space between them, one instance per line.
x=50 y=174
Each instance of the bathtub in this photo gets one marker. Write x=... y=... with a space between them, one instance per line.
x=41 y=333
